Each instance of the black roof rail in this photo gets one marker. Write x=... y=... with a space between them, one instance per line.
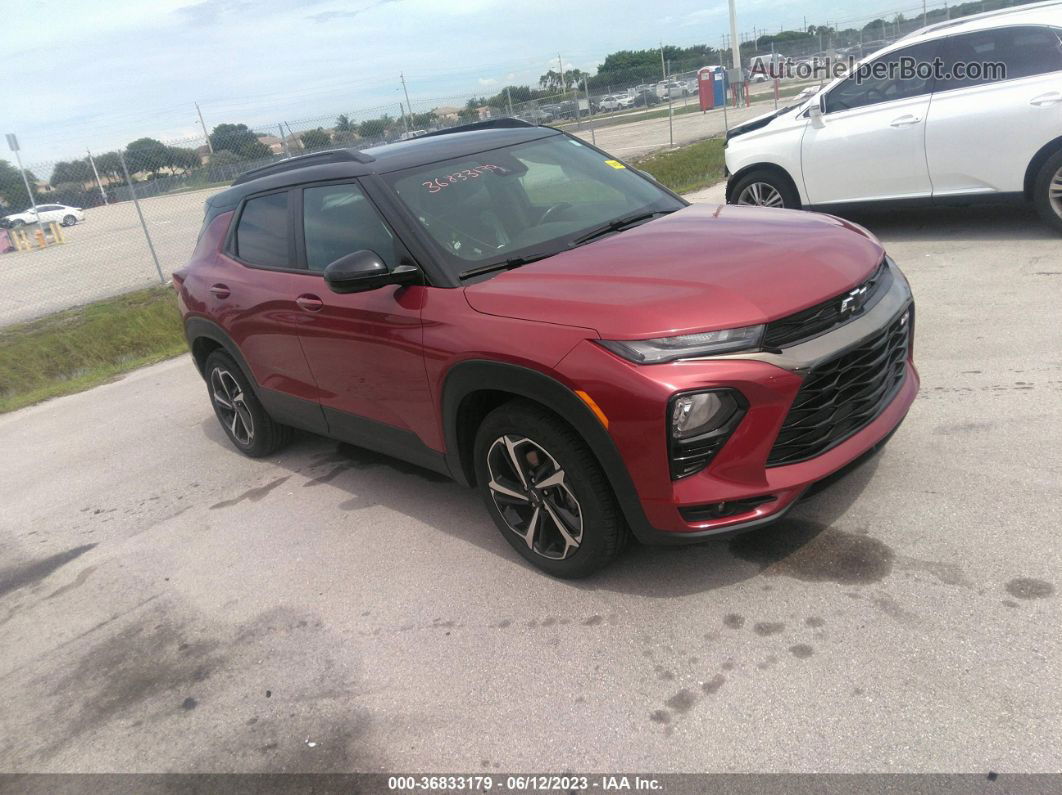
x=315 y=159
x=506 y=122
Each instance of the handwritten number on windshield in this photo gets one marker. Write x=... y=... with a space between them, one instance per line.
x=437 y=184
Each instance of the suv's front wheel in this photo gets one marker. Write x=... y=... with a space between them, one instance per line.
x=765 y=188
x=546 y=492
x=1047 y=192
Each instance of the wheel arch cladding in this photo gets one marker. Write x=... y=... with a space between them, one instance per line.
x=1042 y=156
x=473 y=389
x=772 y=167
x=205 y=337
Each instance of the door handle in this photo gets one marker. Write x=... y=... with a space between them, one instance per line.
x=1050 y=98
x=310 y=302
x=905 y=121
x=220 y=290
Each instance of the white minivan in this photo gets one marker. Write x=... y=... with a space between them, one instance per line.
x=929 y=137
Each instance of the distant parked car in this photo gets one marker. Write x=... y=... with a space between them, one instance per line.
x=613 y=102
x=59 y=213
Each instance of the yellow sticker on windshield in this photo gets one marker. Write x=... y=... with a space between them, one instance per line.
x=615 y=164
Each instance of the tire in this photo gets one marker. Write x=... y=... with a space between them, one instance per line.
x=250 y=429
x=772 y=189
x=1047 y=191
x=582 y=500
x=69 y=220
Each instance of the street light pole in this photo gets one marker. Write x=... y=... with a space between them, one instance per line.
x=12 y=143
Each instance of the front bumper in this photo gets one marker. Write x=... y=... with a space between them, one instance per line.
x=634 y=398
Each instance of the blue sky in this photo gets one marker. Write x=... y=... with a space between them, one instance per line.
x=99 y=73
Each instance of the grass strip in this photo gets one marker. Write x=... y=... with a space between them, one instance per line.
x=687 y=168
x=79 y=348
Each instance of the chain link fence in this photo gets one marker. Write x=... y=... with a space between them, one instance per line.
x=110 y=222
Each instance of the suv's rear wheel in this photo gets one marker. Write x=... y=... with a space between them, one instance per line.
x=246 y=423
x=765 y=188
x=546 y=492
x=1047 y=192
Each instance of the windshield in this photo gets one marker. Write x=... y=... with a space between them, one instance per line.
x=524 y=200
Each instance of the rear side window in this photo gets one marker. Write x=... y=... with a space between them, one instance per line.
x=262 y=236
x=1021 y=51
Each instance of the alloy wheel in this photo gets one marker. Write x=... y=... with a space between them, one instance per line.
x=531 y=492
x=761 y=194
x=231 y=406
x=1054 y=193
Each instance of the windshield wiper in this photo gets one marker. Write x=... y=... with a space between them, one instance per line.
x=618 y=225
x=508 y=264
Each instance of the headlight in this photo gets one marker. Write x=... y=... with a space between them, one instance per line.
x=686 y=346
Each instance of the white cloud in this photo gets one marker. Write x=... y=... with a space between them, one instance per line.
x=488 y=81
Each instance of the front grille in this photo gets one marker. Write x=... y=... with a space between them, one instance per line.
x=844 y=394
x=831 y=313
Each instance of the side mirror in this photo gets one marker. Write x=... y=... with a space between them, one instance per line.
x=815 y=113
x=364 y=270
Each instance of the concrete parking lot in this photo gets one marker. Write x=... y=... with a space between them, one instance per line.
x=167 y=605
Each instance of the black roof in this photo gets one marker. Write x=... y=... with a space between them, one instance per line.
x=340 y=163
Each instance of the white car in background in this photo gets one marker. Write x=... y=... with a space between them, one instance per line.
x=59 y=213
x=923 y=140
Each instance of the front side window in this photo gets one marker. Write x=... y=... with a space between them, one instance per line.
x=1001 y=54
x=339 y=220
x=530 y=198
x=262 y=235
x=902 y=74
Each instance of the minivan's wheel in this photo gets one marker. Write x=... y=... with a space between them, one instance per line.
x=1047 y=192
x=546 y=492
x=245 y=421
x=69 y=220
x=765 y=189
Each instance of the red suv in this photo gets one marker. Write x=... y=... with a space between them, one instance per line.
x=515 y=308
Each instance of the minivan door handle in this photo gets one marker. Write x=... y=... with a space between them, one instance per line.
x=1050 y=98
x=310 y=302
x=220 y=290
x=905 y=121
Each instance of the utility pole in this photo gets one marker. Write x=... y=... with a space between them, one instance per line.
x=283 y=141
x=560 y=65
x=589 y=111
x=92 y=163
x=735 y=43
x=923 y=13
x=202 y=124
x=409 y=124
x=509 y=99
x=663 y=66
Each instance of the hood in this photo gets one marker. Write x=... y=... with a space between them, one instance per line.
x=699 y=269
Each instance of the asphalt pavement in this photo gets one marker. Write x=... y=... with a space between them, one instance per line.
x=168 y=605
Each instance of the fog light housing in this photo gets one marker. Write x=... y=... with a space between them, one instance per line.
x=699 y=423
